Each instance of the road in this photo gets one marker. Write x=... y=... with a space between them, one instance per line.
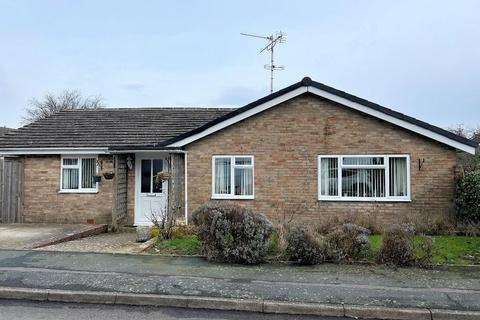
x=29 y=310
x=333 y=284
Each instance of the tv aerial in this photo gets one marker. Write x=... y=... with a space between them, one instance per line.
x=272 y=40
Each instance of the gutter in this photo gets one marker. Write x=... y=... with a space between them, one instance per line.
x=53 y=151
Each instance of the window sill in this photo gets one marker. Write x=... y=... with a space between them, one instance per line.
x=79 y=191
x=228 y=197
x=345 y=199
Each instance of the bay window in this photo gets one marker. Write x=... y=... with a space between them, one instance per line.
x=77 y=174
x=232 y=177
x=364 y=178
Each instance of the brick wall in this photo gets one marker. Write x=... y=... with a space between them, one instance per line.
x=286 y=140
x=44 y=204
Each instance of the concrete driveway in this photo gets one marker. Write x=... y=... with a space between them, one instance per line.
x=28 y=236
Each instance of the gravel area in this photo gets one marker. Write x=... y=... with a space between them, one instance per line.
x=115 y=242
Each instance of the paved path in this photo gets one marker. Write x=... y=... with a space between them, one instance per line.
x=456 y=289
x=113 y=242
x=25 y=310
x=26 y=236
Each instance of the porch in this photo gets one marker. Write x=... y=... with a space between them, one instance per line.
x=148 y=184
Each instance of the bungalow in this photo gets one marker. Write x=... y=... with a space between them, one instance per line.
x=308 y=150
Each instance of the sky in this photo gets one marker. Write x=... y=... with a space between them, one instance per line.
x=421 y=58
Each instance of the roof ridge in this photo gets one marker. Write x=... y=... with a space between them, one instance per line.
x=149 y=108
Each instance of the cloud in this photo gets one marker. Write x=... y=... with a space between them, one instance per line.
x=133 y=85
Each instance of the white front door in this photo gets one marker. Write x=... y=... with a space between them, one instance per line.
x=150 y=194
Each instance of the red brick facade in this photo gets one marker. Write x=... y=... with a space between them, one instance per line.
x=286 y=140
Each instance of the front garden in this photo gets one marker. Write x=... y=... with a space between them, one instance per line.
x=232 y=234
x=450 y=250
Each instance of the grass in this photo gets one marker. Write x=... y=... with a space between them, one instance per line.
x=456 y=250
x=187 y=245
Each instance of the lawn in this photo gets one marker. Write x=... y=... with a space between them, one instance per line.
x=457 y=250
x=187 y=245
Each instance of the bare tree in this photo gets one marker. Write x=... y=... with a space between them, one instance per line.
x=164 y=217
x=467 y=161
x=164 y=220
x=67 y=100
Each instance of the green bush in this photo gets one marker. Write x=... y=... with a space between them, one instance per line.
x=467 y=201
x=231 y=233
x=348 y=242
x=304 y=246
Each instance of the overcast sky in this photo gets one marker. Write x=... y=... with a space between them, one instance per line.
x=421 y=58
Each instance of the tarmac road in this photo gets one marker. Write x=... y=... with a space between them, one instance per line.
x=27 y=310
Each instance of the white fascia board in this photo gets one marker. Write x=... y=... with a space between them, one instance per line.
x=45 y=151
x=401 y=123
x=262 y=107
x=146 y=151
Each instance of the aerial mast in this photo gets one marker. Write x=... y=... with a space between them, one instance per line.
x=273 y=40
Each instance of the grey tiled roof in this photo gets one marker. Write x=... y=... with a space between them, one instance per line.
x=5 y=130
x=110 y=127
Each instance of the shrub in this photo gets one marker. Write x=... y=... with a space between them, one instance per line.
x=400 y=248
x=424 y=252
x=367 y=220
x=184 y=231
x=427 y=223
x=326 y=225
x=230 y=233
x=397 y=247
x=304 y=246
x=467 y=200
x=348 y=242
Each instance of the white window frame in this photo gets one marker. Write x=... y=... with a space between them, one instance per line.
x=385 y=166
x=79 y=167
x=232 y=194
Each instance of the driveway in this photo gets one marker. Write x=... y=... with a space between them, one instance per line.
x=113 y=242
x=28 y=236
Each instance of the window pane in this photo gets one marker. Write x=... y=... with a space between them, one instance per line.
x=157 y=167
x=363 y=183
x=88 y=171
x=243 y=160
x=329 y=177
x=222 y=176
x=398 y=177
x=70 y=162
x=146 y=176
x=70 y=179
x=244 y=181
x=363 y=160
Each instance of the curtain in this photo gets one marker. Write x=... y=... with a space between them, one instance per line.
x=222 y=175
x=89 y=168
x=70 y=179
x=243 y=181
x=398 y=177
x=329 y=176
